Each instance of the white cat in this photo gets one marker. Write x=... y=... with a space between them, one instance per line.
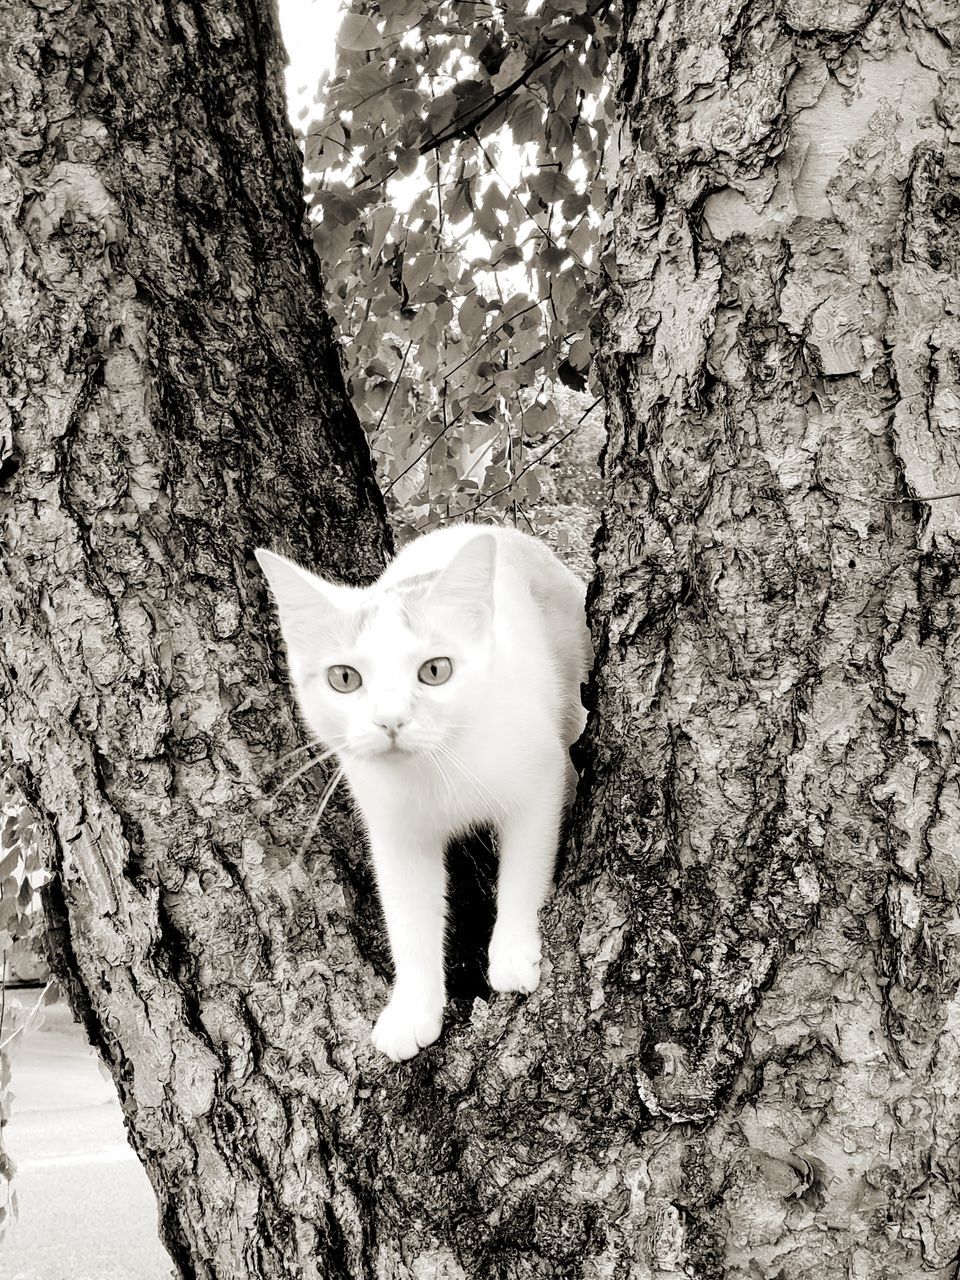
x=450 y=691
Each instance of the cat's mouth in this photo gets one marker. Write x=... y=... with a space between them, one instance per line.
x=393 y=751
x=386 y=751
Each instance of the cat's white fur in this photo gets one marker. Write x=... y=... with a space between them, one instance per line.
x=426 y=761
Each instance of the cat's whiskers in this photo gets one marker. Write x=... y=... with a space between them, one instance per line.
x=324 y=801
x=481 y=787
x=443 y=775
x=304 y=768
x=307 y=746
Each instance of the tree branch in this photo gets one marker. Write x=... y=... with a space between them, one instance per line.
x=463 y=126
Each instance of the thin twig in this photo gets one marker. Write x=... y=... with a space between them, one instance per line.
x=546 y=234
x=463 y=125
x=386 y=404
x=532 y=463
x=423 y=452
x=448 y=373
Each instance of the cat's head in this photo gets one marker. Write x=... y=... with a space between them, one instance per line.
x=389 y=671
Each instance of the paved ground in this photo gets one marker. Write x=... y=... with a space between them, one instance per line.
x=87 y=1211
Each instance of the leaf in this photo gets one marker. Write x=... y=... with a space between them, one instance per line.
x=519 y=302
x=358 y=34
x=487 y=221
x=581 y=353
x=325 y=146
x=441 y=111
x=472 y=315
x=513 y=65
x=358 y=87
x=582 y=239
x=530 y=486
x=539 y=418
x=550 y=185
x=330 y=240
x=458 y=203
x=525 y=342
x=429 y=291
x=337 y=207
x=559 y=139
x=419 y=269
x=506 y=255
x=575 y=205
x=550 y=258
x=564 y=289
x=525 y=119
x=567 y=29
x=382 y=222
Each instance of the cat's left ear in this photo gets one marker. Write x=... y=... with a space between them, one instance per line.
x=466 y=584
x=305 y=602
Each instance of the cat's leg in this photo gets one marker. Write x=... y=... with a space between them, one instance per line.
x=411 y=880
x=528 y=851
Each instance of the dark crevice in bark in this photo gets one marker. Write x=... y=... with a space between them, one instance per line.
x=175 y=1239
x=63 y=961
x=471 y=877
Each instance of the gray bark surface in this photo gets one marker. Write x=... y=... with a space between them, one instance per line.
x=172 y=398
x=769 y=847
x=742 y=1060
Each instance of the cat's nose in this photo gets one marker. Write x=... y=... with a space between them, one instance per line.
x=391 y=725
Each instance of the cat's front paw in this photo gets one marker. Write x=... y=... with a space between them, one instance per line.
x=405 y=1026
x=514 y=963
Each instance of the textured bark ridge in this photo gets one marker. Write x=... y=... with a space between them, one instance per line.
x=770 y=843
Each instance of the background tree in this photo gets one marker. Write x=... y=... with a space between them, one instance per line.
x=171 y=399
x=742 y=1059
x=455 y=180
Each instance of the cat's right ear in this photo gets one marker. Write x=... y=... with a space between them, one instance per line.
x=304 y=601
x=466 y=584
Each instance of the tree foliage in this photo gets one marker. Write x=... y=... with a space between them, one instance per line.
x=455 y=180
x=21 y=877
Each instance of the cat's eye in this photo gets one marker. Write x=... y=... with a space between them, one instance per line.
x=343 y=678
x=435 y=671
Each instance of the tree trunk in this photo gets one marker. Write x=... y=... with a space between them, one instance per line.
x=172 y=398
x=741 y=1060
x=768 y=852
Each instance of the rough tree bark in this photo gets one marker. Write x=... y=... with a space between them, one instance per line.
x=742 y=1058
x=772 y=832
x=171 y=398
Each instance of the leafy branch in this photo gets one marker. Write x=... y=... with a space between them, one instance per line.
x=534 y=462
x=464 y=126
x=423 y=265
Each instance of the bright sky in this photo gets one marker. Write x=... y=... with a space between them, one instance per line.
x=309 y=29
